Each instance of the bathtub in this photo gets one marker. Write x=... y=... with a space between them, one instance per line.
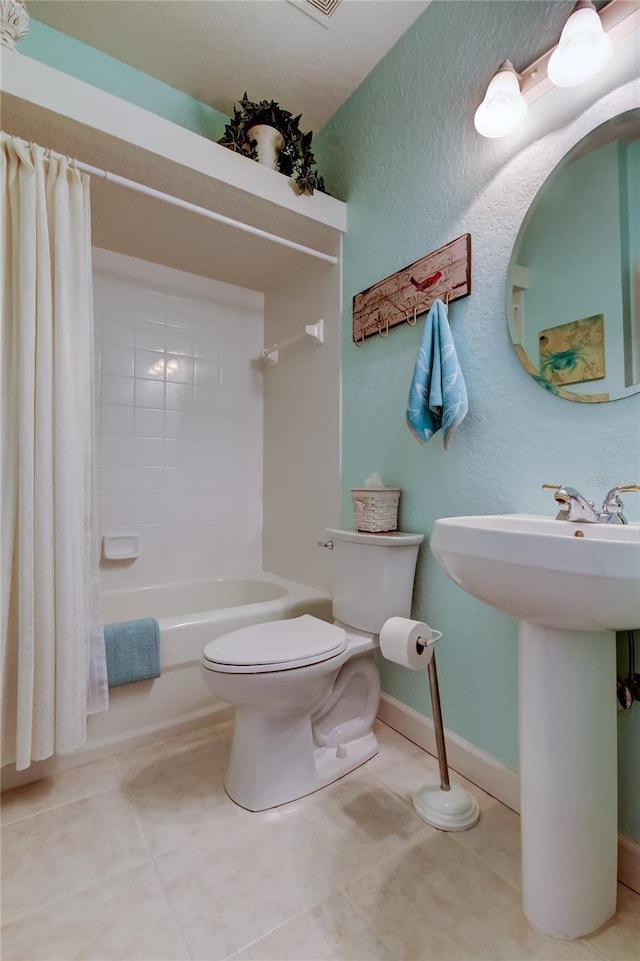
x=189 y=615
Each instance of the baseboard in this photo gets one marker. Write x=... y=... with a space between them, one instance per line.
x=629 y=863
x=487 y=772
x=480 y=768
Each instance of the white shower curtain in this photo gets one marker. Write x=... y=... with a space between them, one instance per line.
x=53 y=662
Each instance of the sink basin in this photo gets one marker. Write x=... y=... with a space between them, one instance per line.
x=572 y=586
x=544 y=571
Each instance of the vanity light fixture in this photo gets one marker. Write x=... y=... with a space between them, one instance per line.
x=503 y=108
x=584 y=48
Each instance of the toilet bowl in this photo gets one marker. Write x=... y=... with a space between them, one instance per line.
x=305 y=691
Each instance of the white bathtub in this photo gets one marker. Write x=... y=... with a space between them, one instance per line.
x=189 y=615
x=193 y=612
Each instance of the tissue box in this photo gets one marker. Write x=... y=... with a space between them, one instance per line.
x=375 y=511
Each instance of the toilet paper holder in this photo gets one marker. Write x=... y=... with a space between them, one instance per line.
x=435 y=636
x=446 y=806
x=449 y=807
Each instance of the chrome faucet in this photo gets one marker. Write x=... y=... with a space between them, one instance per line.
x=575 y=507
x=612 y=505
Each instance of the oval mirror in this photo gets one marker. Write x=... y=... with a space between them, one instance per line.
x=573 y=287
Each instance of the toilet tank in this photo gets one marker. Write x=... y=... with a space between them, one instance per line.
x=372 y=576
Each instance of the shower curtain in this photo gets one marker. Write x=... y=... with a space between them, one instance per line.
x=53 y=662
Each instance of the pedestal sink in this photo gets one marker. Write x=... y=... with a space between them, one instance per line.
x=572 y=585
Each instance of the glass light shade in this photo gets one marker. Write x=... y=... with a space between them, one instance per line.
x=583 y=51
x=503 y=108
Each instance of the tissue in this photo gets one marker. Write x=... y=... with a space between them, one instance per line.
x=374 y=482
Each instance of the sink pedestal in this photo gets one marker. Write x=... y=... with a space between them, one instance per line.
x=568 y=778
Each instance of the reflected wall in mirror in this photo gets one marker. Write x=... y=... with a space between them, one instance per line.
x=573 y=287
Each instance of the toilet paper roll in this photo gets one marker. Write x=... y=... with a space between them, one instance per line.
x=406 y=642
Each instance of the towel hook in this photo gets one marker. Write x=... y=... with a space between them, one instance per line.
x=359 y=343
x=446 y=297
x=413 y=322
x=386 y=331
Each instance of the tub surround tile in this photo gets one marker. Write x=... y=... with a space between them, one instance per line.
x=333 y=931
x=149 y=394
x=149 y=423
x=125 y=918
x=116 y=419
x=179 y=341
x=119 y=330
x=116 y=389
x=115 y=359
x=67 y=849
x=116 y=449
x=149 y=334
x=116 y=481
x=179 y=369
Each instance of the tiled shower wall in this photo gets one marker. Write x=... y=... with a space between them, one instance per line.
x=179 y=421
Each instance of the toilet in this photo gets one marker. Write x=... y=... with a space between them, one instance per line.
x=306 y=692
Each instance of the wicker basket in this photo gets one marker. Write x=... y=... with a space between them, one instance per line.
x=375 y=511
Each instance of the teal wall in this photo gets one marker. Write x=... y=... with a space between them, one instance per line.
x=100 y=70
x=404 y=152
x=631 y=247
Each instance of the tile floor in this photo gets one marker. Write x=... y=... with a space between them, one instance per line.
x=143 y=856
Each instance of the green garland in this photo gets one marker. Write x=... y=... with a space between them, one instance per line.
x=295 y=159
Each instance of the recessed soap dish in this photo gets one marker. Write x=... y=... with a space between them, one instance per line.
x=120 y=547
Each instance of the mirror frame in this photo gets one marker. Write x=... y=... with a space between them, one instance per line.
x=554 y=389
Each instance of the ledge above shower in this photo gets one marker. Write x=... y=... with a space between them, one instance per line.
x=44 y=105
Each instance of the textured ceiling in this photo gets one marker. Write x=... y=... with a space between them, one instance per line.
x=214 y=50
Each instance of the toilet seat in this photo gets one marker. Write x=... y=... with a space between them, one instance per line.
x=275 y=646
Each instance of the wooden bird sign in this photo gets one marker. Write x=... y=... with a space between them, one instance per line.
x=445 y=273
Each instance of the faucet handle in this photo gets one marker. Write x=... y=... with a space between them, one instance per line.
x=612 y=506
x=552 y=487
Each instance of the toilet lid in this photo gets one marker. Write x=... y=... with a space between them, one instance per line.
x=275 y=646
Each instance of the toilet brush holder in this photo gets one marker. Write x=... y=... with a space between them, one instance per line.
x=445 y=806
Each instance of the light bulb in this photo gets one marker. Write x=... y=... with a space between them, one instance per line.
x=503 y=108
x=584 y=48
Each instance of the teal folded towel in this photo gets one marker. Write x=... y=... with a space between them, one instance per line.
x=438 y=396
x=133 y=651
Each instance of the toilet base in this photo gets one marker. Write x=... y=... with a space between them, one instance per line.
x=274 y=761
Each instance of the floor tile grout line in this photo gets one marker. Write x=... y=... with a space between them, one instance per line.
x=281 y=924
x=482 y=860
x=55 y=807
x=171 y=908
x=51 y=902
x=368 y=923
x=127 y=799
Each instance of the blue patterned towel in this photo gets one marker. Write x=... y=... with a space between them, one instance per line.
x=133 y=651
x=438 y=396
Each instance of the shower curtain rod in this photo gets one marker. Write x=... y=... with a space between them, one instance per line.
x=195 y=209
